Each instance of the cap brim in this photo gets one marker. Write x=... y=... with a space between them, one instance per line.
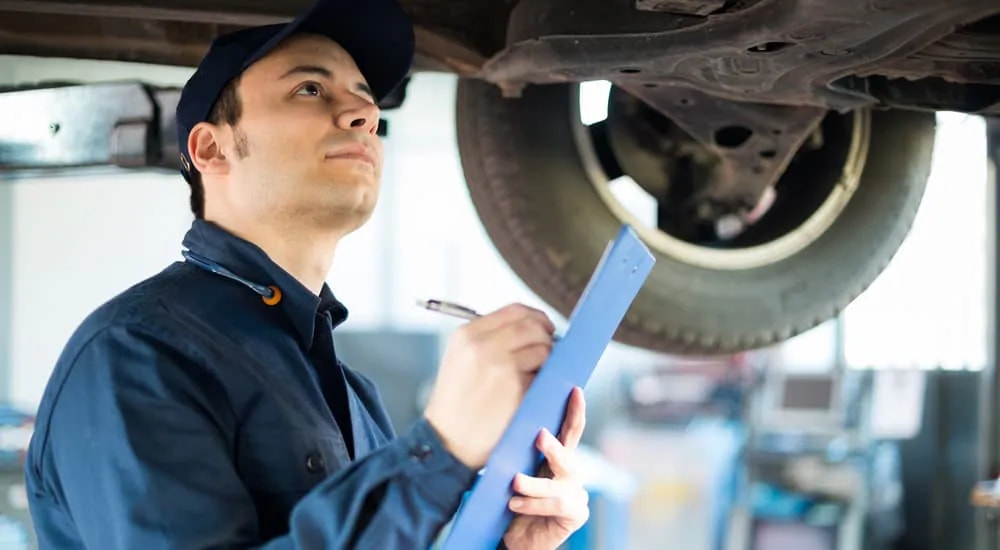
x=376 y=33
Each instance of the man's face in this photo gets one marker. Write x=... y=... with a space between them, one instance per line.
x=305 y=146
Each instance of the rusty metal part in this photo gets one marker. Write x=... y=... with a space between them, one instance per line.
x=970 y=55
x=839 y=55
x=704 y=158
x=772 y=51
x=686 y=7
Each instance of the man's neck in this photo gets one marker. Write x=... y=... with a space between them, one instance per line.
x=305 y=255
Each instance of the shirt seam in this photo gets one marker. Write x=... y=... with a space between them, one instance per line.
x=45 y=440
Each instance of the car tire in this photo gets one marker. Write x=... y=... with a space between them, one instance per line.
x=527 y=175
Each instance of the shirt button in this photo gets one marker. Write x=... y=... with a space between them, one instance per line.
x=315 y=463
x=421 y=452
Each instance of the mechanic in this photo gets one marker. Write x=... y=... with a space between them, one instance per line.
x=205 y=407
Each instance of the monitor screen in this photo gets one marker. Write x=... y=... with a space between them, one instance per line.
x=809 y=393
x=786 y=535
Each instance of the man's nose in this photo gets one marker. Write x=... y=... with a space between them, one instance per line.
x=361 y=116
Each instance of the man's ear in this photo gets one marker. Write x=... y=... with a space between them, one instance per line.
x=206 y=150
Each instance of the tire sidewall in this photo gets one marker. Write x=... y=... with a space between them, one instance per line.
x=532 y=189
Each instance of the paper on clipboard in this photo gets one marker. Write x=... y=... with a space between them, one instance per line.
x=483 y=517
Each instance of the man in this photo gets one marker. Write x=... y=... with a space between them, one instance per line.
x=205 y=407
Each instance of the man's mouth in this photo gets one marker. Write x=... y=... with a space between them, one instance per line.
x=353 y=152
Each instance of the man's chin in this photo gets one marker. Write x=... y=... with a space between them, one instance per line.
x=344 y=213
x=353 y=171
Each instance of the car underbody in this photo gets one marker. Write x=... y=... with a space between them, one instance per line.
x=930 y=54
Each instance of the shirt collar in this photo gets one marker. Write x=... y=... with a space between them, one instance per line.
x=247 y=260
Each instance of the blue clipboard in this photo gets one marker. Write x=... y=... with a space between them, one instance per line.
x=484 y=516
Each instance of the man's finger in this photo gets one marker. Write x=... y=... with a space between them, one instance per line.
x=494 y=319
x=570 y=506
x=557 y=456
x=538 y=487
x=509 y=314
x=529 y=359
x=575 y=420
x=519 y=334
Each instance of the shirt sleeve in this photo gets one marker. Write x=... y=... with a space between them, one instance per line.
x=139 y=448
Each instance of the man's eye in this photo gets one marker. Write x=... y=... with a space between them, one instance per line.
x=310 y=89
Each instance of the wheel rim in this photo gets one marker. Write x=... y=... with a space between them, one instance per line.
x=773 y=251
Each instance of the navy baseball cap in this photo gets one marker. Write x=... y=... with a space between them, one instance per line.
x=376 y=33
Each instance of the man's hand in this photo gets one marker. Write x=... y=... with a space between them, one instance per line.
x=553 y=506
x=487 y=368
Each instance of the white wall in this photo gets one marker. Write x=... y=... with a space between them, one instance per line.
x=77 y=242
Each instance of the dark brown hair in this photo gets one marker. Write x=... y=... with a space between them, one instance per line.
x=226 y=110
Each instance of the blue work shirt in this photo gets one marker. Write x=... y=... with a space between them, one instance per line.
x=189 y=412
